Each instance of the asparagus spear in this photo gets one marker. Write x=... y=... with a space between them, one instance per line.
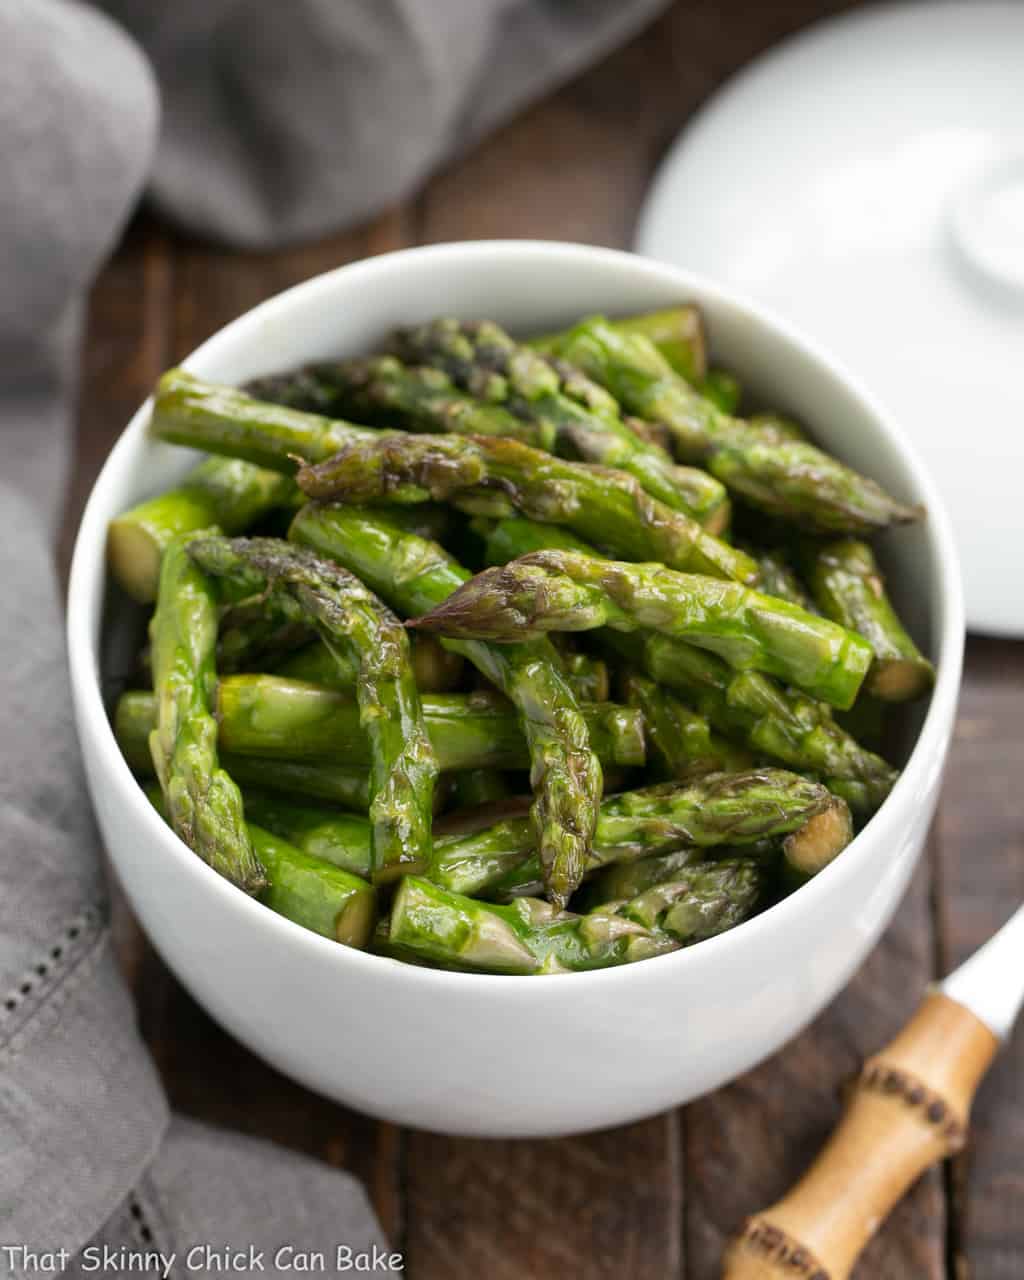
x=414 y=574
x=777 y=424
x=677 y=332
x=680 y=740
x=513 y=536
x=353 y=622
x=708 y=812
x=437 y=669
x=203 y=804
x=219 y=491
x=569 y=591
x=849 y=588
x=347 y=787
x=500 y=860
x=578 y=414
x=318 y=894
x=605 y=506
x=722 y=389
x=788 y=478
x=315 y=893
x=205 y=415
x=381 y=389
x=527 y=936
x=779 y=578
x=587 y=676
x=748 y=707
x=769 y=718
x=342 y=839
x=278 y=719
x=705 y=900
x=620 y=881
x=473 y=788
x=815 y=845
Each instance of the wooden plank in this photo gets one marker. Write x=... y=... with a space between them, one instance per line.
x=980 y=856
x=747 y=1143
x=604 y=1204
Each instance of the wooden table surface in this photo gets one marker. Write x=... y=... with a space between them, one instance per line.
x=660 y=1198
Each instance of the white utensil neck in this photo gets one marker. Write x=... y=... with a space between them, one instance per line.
x=991 y=982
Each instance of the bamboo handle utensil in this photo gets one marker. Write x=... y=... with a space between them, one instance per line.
x=909 y=1108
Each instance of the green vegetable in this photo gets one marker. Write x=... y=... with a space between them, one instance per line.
x=770 y=719
x=815 y=845
x=205 y=415
x=569 y=591
x=219 y=491
x=703 y=901
x=203 y=805
x=570 y=411
x=281 y=719
x=677 y=332
x=314 y=893
x=722 y=389
x=604 y=506
x=787 y=478
x=527 y=936
x=414 y=574
x=354 y=624
x=721 y=809
x=381 y=389
x=849 y=588
x=681 y=741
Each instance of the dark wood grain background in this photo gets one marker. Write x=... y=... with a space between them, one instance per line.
x=657 y=1199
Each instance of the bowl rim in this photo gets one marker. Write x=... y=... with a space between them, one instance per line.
x=88 y=560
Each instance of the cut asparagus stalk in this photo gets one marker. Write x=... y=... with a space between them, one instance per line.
x=788 y=478
x=587 y=677
x=354 y=623
x=679 y=740
x=527 y=936
x=620 y=881
x=279 y=719
x=226 y=492
x=581 y=418
x=608 y=507
x=722 y=389
x=708 y=812
x=779 y=578
x=314 y=893
x=204 y=805
x=318 y=894
x=747 y=707
x=677 y=332
x=412 y=574
x=382 y=390
x=817 y=843
x=473 y=788
x=703 y=901
x=343 y=839
x=770 y=719
x=436 y=668
x=513 y=536
x=849 y=588
x=205 y=415
x=568 y=591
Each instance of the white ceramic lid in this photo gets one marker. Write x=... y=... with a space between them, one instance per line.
x=865 y=179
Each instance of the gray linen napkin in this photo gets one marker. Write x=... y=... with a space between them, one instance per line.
x=281 y=121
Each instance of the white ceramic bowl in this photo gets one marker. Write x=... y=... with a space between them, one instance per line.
x=520 y=1056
